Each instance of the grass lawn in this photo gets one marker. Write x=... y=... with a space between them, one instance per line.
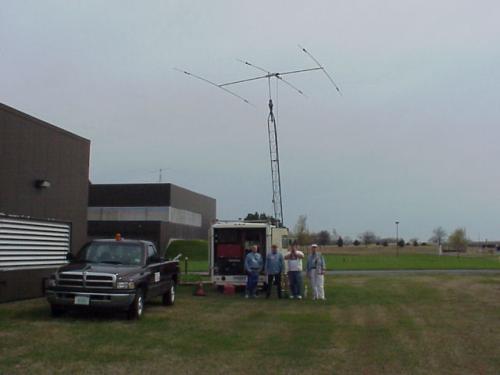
x=195 y=250
x=410 y=262
x=368 y=325
x=391 y=262
x=358 y=258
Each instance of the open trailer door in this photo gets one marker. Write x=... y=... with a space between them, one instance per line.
x=230 y=243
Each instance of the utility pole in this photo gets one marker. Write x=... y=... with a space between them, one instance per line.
x=397 y=238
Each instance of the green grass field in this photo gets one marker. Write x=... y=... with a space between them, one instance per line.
x=410 y=262
x=369 y=325
x=358 y=258
x=195 y=250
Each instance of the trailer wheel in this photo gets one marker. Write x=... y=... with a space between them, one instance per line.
x=137 y=307
x=169 y=296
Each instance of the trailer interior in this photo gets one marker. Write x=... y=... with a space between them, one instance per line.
x=231 y=247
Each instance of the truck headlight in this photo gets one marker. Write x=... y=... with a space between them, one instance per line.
x=52 y=282
x=125 y=285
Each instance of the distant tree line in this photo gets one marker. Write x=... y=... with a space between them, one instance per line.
x=260 y=217
x=457 y=240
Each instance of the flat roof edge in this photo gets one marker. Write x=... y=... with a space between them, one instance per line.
x=43 y=123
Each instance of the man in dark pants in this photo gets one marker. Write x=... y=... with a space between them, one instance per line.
x=294 y=258
x=253 y=266
x=275 y=265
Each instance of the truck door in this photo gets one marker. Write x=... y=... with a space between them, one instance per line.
x=156 y=284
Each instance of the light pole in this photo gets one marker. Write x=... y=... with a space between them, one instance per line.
x=397 y=238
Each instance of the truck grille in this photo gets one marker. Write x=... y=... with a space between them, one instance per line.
x=86 y=280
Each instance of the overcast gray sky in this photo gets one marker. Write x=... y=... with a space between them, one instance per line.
x=414 y=138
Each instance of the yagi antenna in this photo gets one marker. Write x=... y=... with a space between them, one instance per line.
x=214 y=84
x=321 y=67
x=278 y=76
x=271 y=119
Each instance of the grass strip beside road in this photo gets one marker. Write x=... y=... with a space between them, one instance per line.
x=409 y=262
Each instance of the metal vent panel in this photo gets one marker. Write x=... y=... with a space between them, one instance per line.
x=25 y=243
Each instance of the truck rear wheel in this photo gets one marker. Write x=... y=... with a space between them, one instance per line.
x=169 y=296
x=137 y=307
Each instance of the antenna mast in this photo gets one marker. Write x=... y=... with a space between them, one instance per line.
x=271 y=119
x=275 y=164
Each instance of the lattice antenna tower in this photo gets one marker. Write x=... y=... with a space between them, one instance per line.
x=272 y=120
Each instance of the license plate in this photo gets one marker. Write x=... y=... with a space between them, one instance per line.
x=82 y=300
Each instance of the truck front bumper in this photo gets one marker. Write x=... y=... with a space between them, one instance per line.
x=119 y=300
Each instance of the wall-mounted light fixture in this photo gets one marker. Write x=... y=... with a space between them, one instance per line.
x=42 y=184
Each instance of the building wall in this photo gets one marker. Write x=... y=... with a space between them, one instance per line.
x=131 y=208
x=185 y=199
x=31 y=149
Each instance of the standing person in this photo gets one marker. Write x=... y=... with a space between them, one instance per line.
x=275 y=265
x=294 y=258
x=316 y=271
x=253 y=266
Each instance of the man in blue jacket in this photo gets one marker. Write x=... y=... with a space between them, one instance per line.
x=275 y=265
x=253 y=266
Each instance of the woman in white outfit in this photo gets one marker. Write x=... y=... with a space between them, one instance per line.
x=316 y=272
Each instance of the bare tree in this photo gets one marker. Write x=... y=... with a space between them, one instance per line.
x=323 y=237
x=340 y=242
x=458 y=240
x=414 y=241
x=438 y=236
x=335 y=235
x=301 y=231
x=368 y=237
x=347 y=240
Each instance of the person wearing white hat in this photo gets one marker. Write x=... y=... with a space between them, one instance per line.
x=316 y=272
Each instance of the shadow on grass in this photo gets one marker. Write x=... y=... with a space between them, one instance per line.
x=381 y=291
x=39 y=310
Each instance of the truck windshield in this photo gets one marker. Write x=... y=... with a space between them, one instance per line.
x=112 y=253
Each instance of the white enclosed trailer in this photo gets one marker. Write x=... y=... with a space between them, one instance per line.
x=231 y=241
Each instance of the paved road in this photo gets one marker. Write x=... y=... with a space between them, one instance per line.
x=414 y=272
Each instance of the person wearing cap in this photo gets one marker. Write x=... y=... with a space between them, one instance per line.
x=275 y=265
x=253 y=266
x=294 y=258
x=316 y=272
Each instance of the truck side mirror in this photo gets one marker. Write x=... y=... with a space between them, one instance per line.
x=154 y=259
x=70 y=256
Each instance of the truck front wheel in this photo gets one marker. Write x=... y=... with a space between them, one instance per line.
x=137 y=307
x=169 y=296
